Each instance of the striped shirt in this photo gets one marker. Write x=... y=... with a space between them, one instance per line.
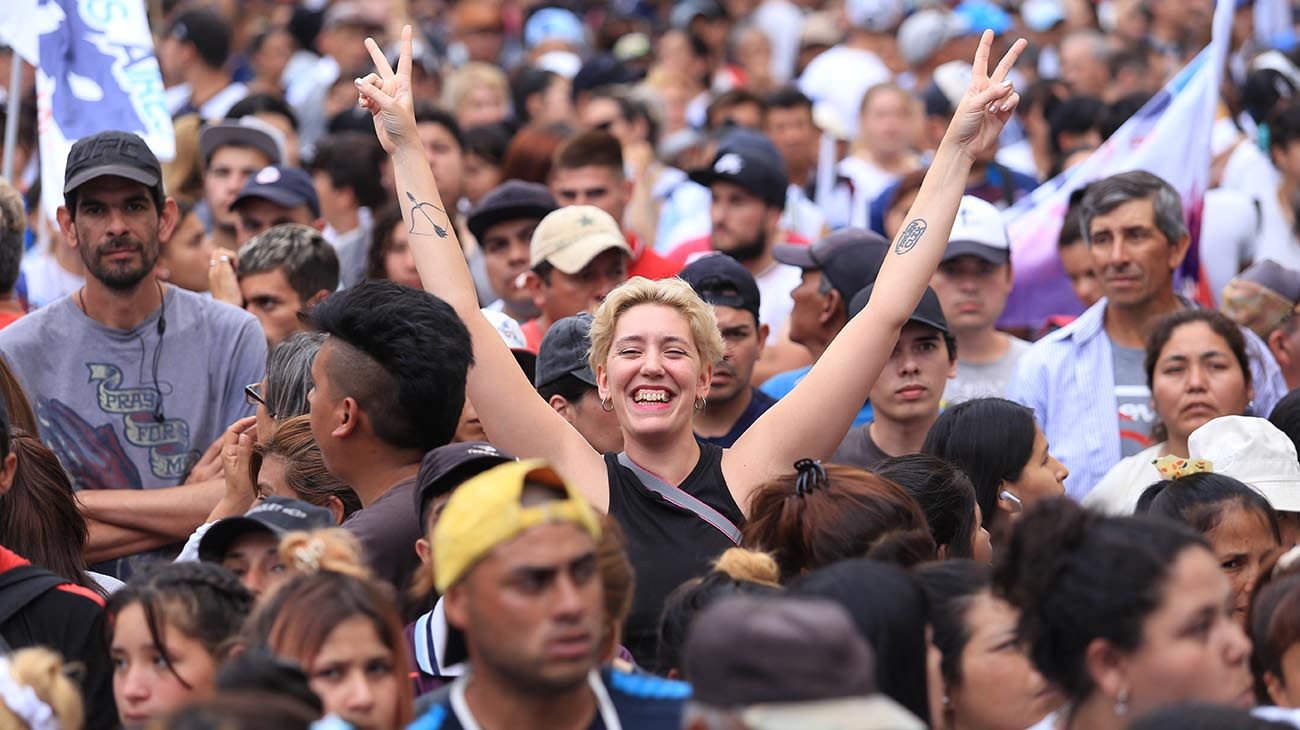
x=1068 y=378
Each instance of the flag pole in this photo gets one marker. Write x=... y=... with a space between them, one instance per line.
x=11 y=118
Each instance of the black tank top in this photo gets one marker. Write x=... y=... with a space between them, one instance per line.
x=667 y=544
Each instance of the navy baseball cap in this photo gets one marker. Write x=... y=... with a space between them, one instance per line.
x=748 y=159
x=276 y=515
x=113 y=154
x=928 y=311
x=721 y=280
x=564 y=351
x=511 y=200
x=446 y=467
x=287 y=186
x=849 y=258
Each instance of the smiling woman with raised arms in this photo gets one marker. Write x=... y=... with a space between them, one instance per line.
x=653 y=349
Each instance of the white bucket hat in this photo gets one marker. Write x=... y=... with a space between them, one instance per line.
x=1253 y=451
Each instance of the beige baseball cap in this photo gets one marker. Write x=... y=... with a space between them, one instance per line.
x=569 y=238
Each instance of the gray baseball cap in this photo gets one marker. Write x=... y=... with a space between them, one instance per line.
x=564 y=351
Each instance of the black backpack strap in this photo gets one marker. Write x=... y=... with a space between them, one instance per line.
x=19 y=587
x=682 y=498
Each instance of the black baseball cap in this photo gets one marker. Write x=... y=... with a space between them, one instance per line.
x=276 y=515
x=113 y=154
x=928 y=311
x=849 y=258
x=287 y=186
x=722 y=281
x=748 y=159
x=207 y=31
x=564 y=351
x=511 y=200
x=446 y=467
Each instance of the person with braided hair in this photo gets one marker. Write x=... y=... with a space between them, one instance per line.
x=1125 y=615
x=169 y=629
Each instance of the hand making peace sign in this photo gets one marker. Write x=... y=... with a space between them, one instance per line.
x=989 y=101
x=386 y=94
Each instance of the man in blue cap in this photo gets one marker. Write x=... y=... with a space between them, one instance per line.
x=278 y=194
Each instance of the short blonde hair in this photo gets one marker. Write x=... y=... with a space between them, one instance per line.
x=673 y=293
x=471 y=76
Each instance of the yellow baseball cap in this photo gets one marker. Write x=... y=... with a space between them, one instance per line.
x=486 y=511
x=569 y=238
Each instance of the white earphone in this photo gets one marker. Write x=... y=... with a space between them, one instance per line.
x=1007 y=495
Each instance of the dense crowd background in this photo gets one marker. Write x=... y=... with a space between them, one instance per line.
x=499 y=364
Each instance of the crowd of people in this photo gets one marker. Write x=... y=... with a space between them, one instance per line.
x=493 y=364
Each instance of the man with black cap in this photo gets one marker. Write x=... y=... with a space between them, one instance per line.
x=131 y=378
x=276 y=194
x=834 y=269
x=232 y=152
x=733 y=404
x=192 y=57
x=905 y=399
x=748 y=185
x=503 y=223
x=249 y=545
x=564 y=379
x=780 y=663
x=973 y=282
x=438 y=650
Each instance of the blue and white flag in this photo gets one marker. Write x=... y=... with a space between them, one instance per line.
x=95 y=71
x=1168 y=137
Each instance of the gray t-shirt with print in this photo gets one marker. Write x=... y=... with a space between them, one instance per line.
x=1135 y=415
x=98 y=404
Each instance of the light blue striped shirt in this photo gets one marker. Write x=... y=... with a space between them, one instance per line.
x=1068 y=378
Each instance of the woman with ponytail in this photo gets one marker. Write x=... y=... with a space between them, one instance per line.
x=170 y=627
x=823 y=514
x=341 y=626
x=1125 y=615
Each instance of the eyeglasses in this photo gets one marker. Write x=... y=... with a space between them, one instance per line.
x=254 y=396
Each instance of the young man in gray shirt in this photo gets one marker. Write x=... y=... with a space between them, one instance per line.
x=131 y=378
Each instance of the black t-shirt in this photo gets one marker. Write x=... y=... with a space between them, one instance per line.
x=758 y=405
x=70 y=620
x=857 y=449
x=666 y=544
x=388 y=529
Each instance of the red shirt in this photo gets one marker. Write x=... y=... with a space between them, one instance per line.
x=650 y=264
x=10 y=560
x=532 y=335
x=690 y=250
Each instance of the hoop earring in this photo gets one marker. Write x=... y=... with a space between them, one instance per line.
x=1121 y=703
x=700 y=403
x=607 y=405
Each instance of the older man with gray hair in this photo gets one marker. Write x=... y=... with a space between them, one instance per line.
x=282 y=272
x=777 y=663
x=1087 y=382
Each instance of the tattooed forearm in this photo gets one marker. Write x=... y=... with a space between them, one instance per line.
x=421 y=219
x=908 y=239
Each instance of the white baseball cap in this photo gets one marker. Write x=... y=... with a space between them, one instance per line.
x=1254 y=452
x=978 y=231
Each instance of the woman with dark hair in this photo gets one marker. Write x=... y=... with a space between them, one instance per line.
x=947 y=498
x=185 y=257
x=821 y=515
x=1197 y=370
x=1125 y=615
x=1239 y=523
x=891 y=612
x=343 y=629
x=39 y=515
x=1275 y=631
x=988 y=681
x=390 y=255
x=170 y=627
x=1000 y=447
x=738 y=572
x=16 y=404
x=1279 y=230
x=485 y=151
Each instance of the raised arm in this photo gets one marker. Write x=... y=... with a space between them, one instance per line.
x=813 y=419
x=517 y=420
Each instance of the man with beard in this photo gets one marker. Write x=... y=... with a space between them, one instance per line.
x=131 y=378
x=733 y=404
x=747 y=182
